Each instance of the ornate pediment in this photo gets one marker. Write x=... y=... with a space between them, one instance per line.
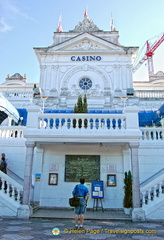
x=86 y=42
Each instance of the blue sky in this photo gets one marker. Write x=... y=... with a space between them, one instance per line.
x=25 y=24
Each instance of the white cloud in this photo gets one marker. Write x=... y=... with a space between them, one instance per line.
x=9 y=10
x=4 y=26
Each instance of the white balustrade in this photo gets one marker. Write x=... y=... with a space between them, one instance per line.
x=10 y=187
x=152 y=133
x=82 y=121
x=18 y=94
x=11 y=131
x=149 y=94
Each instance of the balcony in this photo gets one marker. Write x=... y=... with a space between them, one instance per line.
x=107 y=127
x=82 y=127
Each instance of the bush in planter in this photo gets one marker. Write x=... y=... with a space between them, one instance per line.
x=128 y=199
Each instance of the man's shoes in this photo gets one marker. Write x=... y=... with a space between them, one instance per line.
x=76 y=228
x=82 y=228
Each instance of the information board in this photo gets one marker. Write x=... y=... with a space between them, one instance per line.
x=97 y=189
x=77 y=166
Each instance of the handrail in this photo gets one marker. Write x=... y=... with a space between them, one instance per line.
x=152 y=177
x=5 y=177
x=152 y=188
x=21 y=179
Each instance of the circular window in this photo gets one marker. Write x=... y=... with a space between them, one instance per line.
x=85 y=83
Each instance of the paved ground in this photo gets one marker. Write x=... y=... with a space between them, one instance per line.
x=41 y=228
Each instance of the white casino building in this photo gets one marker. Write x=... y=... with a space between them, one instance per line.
x=47 y=155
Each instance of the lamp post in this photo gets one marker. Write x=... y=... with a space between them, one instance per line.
x=124 y=98
x=44 y=98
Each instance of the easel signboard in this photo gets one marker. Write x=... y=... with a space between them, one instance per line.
x=97 y=193
x=97 y=189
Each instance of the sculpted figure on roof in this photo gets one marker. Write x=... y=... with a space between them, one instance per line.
x=86 y=26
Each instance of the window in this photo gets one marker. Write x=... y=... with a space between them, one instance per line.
x=85 y=83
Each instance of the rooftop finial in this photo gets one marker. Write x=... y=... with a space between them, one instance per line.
x=86 y=13
x=59 y=29
x=112 y=28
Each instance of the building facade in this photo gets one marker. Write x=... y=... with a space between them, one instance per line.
x=48 y=151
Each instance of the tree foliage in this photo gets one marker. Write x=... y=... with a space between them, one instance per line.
x=128 y=199
x=81 y=107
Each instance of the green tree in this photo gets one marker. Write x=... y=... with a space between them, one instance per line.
x=128 y=199
x=85 y=105
x=81 y=107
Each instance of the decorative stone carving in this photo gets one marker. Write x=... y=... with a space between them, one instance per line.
x=93 y=92
x=99 y=72
x=96 y=92
x=55 y=67
x=42 y=67
x=69 y=74
x=86 y=45
x=63 y=69
x=51 y=101
x=86 y=26
x=109 y=69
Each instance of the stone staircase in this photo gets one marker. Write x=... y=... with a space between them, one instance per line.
x=152 y=196
x=10 y=195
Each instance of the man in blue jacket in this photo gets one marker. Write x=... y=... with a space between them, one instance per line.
x=83 y=194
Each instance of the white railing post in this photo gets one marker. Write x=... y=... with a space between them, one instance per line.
x=143 y=198
x=132 y=121
x=160 y=187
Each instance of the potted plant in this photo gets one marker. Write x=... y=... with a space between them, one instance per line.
x=128 y=199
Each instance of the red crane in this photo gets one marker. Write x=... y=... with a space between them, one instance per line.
x=150 y=49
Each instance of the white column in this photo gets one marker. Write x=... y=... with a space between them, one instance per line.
x=54 y=77
x=42 y=76
x=28 y=172
x=126 y=160
x=9 y=121
x=48 y=78
x=123 y=78
x=135 y=172
x=38 y=165
x=116 y=77
x=137 y=213
x=129 y=76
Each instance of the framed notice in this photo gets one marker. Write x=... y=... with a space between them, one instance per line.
x=37 y=177
x=53 y=179
x=97 y=189
x=111 y=180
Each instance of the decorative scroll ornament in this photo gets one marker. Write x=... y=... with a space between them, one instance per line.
x=86 y=26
